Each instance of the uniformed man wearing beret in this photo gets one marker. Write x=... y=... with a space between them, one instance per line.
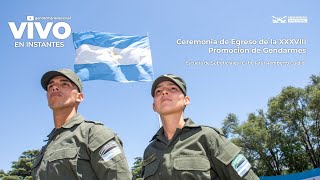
x=76 y=148
x=184 y=150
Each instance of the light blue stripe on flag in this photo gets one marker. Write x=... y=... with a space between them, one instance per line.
x=114 y=57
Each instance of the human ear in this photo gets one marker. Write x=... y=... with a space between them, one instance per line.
x=186 y=100
x=79 y=97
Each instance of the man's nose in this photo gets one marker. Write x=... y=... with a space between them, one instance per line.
x=165 y=92
x=55 y=88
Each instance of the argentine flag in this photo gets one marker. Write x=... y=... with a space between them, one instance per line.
x=114 y=57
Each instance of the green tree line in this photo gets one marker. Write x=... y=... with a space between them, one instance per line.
x=21 y=169
x=286 y=138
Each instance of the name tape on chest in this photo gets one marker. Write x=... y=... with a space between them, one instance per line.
x=110 y=150
x=241 y=165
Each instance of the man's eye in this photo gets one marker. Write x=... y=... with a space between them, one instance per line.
x=173 y=89
x=49 y=87
x=65 y=84
x=158 y=91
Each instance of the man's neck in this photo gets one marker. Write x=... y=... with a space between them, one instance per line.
x=62 y=116
x=171 y=123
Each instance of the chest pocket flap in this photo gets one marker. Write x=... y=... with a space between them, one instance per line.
x=69 y=153
x=151 y=165
x=198 y=163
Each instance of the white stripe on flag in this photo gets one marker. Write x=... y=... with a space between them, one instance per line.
x=114 y=57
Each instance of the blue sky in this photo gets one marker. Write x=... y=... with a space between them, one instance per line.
x=215 y=90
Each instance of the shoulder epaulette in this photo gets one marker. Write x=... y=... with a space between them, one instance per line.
x=218 y=130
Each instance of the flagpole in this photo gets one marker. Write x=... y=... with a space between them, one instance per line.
x=150 y=54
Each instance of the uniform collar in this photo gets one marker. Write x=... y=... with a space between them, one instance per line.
x=189 y=123
x=160 y=133
x=76 y=119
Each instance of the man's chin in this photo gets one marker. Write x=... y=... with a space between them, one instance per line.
x=167 y=110
x=55 y=106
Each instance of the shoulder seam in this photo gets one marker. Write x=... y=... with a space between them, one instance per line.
x=95 y=122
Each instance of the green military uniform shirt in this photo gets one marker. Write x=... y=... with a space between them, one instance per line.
x=194 y=152
x=81 y=150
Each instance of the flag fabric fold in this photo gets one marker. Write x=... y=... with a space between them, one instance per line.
x=114 y=57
